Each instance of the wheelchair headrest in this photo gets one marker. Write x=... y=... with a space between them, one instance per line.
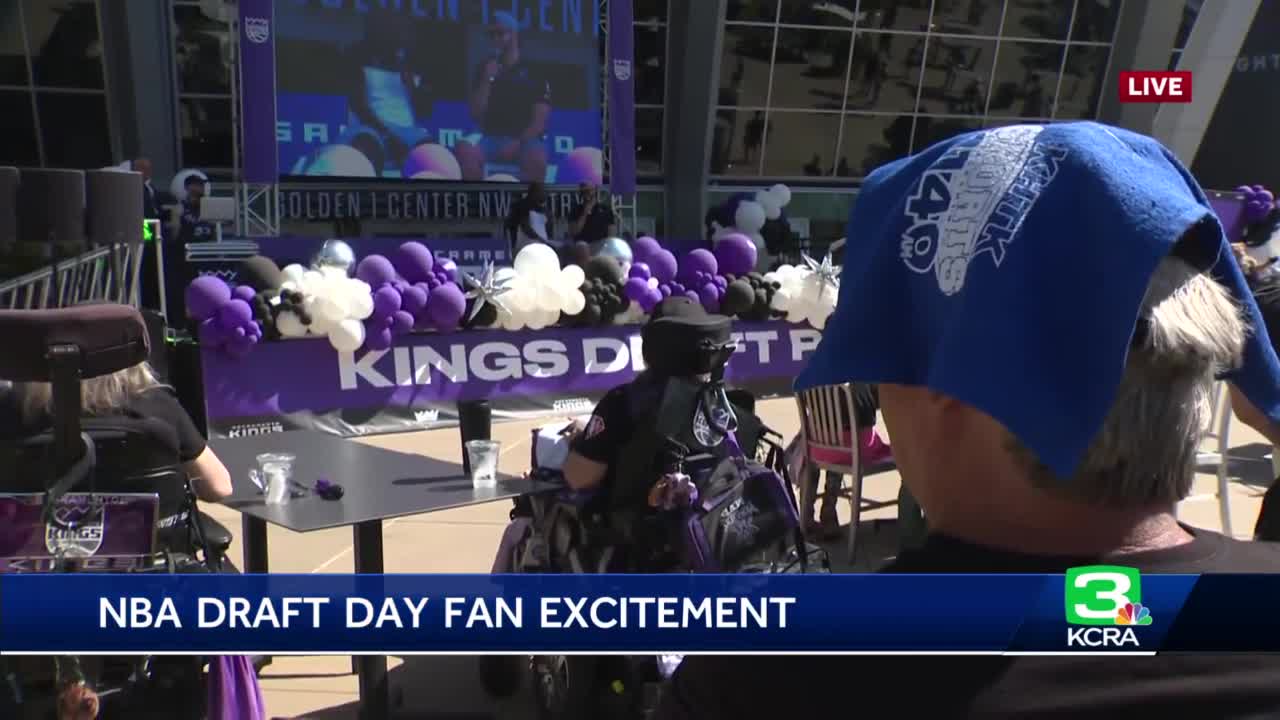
x=110 y=338
x=683 y=340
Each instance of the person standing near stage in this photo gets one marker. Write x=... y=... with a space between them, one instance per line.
x=191 y=228
x=511 y=103
x=591 y=221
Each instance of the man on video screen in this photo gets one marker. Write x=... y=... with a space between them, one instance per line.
x=390 y=99
x=511 y=103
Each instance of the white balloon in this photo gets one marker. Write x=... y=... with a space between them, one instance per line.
x=818 y=321
x=312 y=279
x=289 y=285
x=772 y=210
x=289 y=325
x=536 y=258
x=575 y=302
x=653 y=282
x=572 y=277
x=329 y=310
x=782 y=300
x=293 y=273
x=781 y=194
x=549 y=298
x=504 y=273
x=720 y=233
x=749 y=216
x=347 y=336
x=331 y=272
x=771 y=276
x=757 y=239
x=360 y=305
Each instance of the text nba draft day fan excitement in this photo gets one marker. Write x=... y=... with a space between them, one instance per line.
x=626 y=359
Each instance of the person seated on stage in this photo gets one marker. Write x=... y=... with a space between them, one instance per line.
x=132 y=392
x=597 y=451
x=529 y=221
x=591 y=221
x=512 y=103
x=391 y=98
x=1044 y=420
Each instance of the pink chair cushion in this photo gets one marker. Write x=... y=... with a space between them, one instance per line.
x=834 y=456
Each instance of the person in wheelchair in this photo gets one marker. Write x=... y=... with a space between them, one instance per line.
x=683 y=347
x=135 y=394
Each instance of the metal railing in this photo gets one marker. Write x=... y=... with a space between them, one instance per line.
x=111 y=273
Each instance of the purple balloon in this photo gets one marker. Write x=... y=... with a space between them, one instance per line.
x=1266 y=196
x=697 y=261
x=736 y=254
x=663 y=265
x=721 y=281
x=678 y=288
x=446 y=306
x=692 y=296
x=379 y=339
x=376 y=270
x=245 y=293
x=1244 y=189
x=650 y=299
x=665 y=290
x=401 y=322
x=449 y=267
x=414 y=298
x=211 y=334
x=709 y=298
x=635 y=289
x=385 y=301
x=643 y=248
x=205 y=296
x=640 y=270
x=414 y=261
x=235 y=314
x=1258 y=188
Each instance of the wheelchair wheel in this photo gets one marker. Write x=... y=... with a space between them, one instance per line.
x=502 y=675
x=575 y=687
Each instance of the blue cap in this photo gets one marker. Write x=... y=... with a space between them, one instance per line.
x=1006 y=268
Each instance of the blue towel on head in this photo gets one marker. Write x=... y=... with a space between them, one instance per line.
x=1005 y=268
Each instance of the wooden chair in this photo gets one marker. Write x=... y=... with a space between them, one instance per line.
x=827 y=427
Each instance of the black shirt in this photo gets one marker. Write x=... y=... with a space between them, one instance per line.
x=516 y=89
x=596 y=228
x=159 y=403
x=610 y=427
x=1191 y=686
x=193 y=229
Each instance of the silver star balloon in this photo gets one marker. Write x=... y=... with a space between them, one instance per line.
x=825 y=271
x=488 y=288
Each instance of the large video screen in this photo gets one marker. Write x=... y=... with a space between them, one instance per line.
x=470 y=90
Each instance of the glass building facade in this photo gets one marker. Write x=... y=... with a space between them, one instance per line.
x=53 y=91
x=835 y=89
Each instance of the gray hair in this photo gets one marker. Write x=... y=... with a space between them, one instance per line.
x=1145 y=453
x=100 y=395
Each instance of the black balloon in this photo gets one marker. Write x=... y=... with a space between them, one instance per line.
x=739 y=298
x=486 y=317
x=604 y=268
x=260 y=273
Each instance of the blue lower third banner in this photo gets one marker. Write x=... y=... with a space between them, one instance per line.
x=1094 y=609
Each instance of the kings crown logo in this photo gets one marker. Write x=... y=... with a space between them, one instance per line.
x=75 y=530
x=622 y=70
x=257 y=29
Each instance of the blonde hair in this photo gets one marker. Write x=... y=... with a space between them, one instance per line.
x=101 y=395
x=1145 y=454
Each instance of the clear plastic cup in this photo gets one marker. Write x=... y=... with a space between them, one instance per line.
x=483 y=456
x=276 y=471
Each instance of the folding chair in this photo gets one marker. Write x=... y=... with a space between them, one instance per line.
x=1222 y=404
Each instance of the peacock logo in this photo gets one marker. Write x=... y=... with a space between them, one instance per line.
x=1133 y=614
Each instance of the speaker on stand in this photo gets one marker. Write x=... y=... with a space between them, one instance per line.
x=114 y=218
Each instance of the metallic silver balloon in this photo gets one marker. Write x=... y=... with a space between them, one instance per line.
x=335 y=253
x=616 y=248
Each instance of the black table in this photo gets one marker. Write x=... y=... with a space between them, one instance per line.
x=380 y=484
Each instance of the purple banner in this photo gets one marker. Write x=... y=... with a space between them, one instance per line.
x=622 y=98
x=94 y=532
x=258 y=91
x=417 y=384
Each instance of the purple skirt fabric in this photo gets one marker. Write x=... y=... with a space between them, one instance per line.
x=234 y=693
